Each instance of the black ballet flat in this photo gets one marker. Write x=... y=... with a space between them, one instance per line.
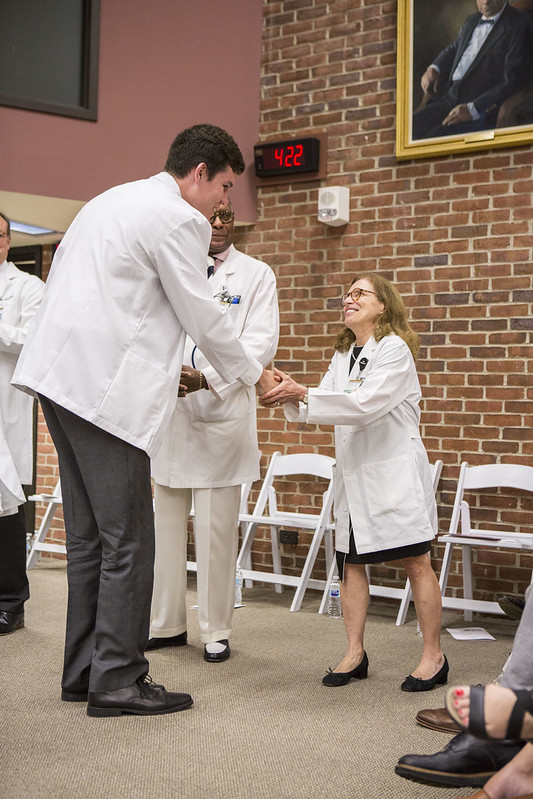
x=414 y=684
x=334 y=679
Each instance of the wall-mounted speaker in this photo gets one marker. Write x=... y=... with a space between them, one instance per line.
x=334 y=205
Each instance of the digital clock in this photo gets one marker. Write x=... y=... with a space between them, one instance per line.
x=291 y=156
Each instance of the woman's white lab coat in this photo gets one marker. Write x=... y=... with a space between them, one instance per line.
x=382 y=474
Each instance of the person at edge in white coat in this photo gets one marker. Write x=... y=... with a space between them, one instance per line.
x=385 y=507
x=104 y=355
x=20 y=296
x=209 y=450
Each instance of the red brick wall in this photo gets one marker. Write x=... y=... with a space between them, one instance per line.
x=454 y=233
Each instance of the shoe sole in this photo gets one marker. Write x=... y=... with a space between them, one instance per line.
x=106 y=712
x=511 y=611
x=163 y=646
x=14 y=630
x=344 y=682
x=216 y=659
x=443 y=778
x=412 y=690
x=438 y=728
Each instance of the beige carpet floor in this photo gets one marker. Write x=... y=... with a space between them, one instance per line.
x=262 y=726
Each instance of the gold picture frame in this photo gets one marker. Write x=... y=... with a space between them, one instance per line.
x=414 y=54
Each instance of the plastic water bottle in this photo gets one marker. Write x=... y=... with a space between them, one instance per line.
x=238 y=586
x=334 y=604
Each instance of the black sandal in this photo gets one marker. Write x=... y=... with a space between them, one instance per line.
x=476 y=720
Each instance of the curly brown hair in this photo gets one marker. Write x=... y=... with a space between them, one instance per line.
x=392 y=320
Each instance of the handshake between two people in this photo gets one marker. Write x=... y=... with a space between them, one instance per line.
x=285 y=389
x=274 y=387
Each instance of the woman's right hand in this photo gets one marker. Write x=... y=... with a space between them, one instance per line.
x=287 y=390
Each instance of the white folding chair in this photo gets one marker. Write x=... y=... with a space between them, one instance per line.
x=461 y=533
x=39 y=544
x=405 y=594
x=268 y=513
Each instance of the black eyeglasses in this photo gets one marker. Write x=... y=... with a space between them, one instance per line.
x=354 y=294
x=224 y=215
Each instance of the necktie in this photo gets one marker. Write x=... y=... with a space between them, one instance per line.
x=486 y=22
x=210 y=270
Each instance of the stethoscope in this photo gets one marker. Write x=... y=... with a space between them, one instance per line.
x=225 y=299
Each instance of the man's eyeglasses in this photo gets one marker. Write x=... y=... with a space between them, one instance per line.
x=224 y=215
x=354 y=294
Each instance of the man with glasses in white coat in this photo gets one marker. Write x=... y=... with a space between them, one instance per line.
x=209 y=450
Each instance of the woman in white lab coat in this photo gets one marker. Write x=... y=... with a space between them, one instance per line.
x=385 y=506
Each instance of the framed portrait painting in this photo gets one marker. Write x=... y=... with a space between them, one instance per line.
x=464 y=76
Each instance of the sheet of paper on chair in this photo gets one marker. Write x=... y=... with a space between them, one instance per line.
x=470 y=634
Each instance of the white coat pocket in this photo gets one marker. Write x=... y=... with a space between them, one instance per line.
x=137 y=378
x=391 y=486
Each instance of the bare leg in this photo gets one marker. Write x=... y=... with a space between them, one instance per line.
x=515 y=778
x=355 y=597
x=428 y=604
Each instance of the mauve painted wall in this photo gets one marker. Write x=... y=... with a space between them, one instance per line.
x=164 y=65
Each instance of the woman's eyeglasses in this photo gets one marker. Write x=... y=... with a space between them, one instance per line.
x=354 y=294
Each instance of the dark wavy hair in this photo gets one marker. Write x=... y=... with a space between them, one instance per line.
x=204 y=143
x=392 y=320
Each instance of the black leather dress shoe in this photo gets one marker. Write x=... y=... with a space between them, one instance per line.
x=9 y=622
x=465 y=761
x=218 y=657
x=413 y=684
x=512 y=606
x=159 y=643
x=143 y=698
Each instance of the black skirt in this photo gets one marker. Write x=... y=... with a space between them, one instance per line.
x=397 y=553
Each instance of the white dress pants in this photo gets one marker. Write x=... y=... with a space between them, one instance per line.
x=216 y=517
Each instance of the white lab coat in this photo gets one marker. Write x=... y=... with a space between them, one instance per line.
x=382 y=475
x=20 y=296
x=126 y=285
x=211 y=441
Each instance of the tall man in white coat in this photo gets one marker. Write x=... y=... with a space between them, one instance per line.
x=210 y=449
x=20 y=296
x=104 y=356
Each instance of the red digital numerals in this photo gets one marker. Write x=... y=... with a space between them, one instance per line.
x=289 y=156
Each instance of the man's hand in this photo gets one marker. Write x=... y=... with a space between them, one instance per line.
x=430 y=81
x=266 y=382
x=191 y=380
x=458 y=114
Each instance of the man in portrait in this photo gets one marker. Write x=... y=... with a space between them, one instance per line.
x=467 y=83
